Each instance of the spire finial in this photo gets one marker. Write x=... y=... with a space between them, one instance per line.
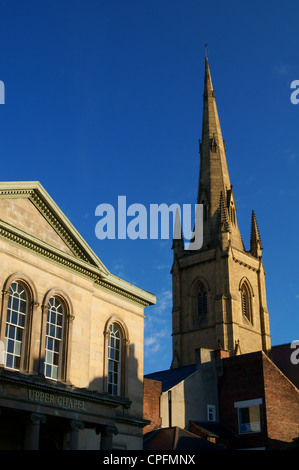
x=206 y=50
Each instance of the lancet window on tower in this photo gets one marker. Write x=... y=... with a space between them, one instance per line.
x=246 y=302
x=232 y=214
x=202 y=301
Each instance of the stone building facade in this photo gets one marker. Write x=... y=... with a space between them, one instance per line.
x=71 y=334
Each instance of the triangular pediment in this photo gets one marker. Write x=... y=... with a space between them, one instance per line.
x=28 y=209
x=29 y=218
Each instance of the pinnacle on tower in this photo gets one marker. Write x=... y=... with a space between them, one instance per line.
x=178 y=239
x=256 y=246
x=223 y=215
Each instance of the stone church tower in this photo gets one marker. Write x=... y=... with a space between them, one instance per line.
x=219 y=295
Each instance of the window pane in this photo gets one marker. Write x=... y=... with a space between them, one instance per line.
x=59 y=320
x=55 y=372
x=10 y=346
x=14 y=317
x=56 y=359
x=249 y=419
x=9 y=360
x=15 y=304
x=48 y=371
x=17 y=350
x=22 y=306
x=10 y=331
x=18 y=333
x=49 y=343
x=52 y=317
x=21 y=320
x=58 y=332
x=17 y=362
x=111 y=353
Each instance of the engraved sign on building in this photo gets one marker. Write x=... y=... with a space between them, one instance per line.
x=56 y=400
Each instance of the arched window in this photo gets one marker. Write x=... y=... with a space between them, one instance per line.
x=56 y=335
x=199 y=292
x=16 y=323
x=54 y=338
x=116 y=341
x=246 y=301
x=202 y=301
x=114 y=360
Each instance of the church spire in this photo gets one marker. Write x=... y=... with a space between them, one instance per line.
x=219 y=294
x=214 y=176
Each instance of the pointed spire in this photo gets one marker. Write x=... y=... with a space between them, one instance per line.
x=256 y=246
x=211 y=169
x=208 y=86
x=214 y=176
x=211 y=129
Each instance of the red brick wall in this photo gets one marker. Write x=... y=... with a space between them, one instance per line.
x=281 y=356
x=252 y=376
x=282 y=405
x=242 y=379
x=151 y=404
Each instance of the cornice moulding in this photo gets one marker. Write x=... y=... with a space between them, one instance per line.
x=84 y=262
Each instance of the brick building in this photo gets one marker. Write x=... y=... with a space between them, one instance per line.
x=241 y=402
x=258 y=402
x=223 y=383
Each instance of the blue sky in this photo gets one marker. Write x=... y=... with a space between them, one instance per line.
x=104 y=98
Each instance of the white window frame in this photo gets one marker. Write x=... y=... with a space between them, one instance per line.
x=211 y=409
x=15 y=326
x=56 y=309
